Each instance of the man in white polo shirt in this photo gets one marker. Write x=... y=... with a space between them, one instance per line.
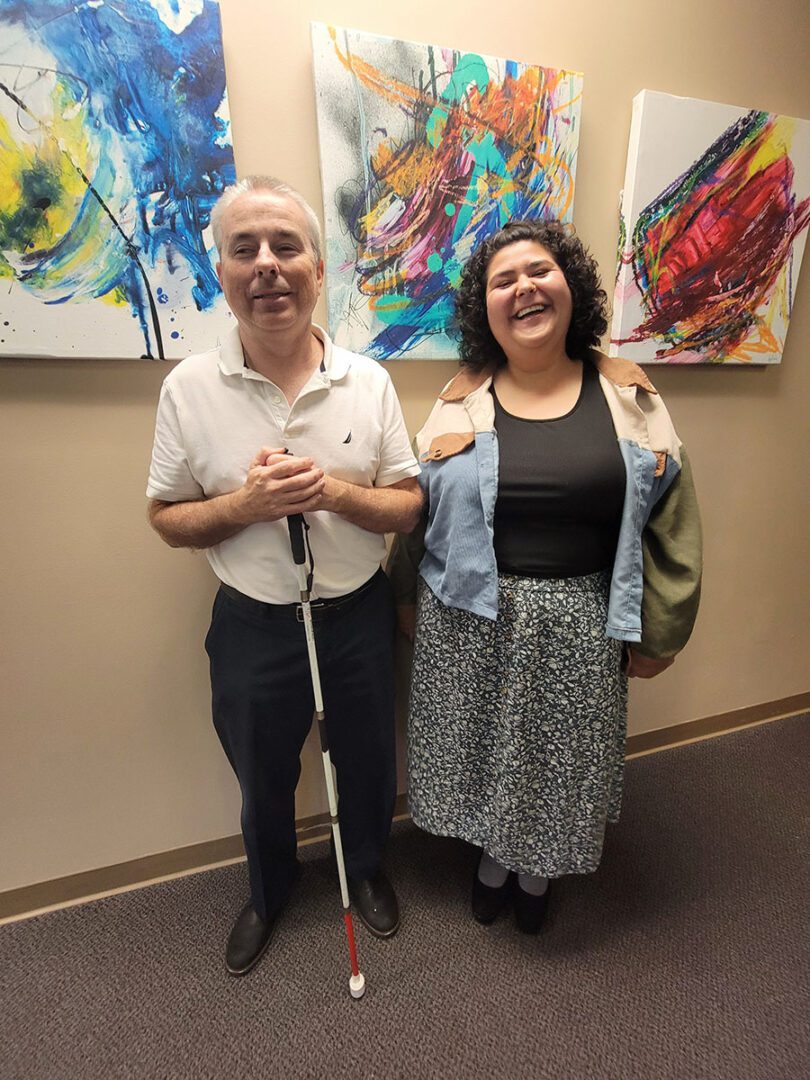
x=279 y=421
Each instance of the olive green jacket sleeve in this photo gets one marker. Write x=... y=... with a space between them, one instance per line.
x=673 y=565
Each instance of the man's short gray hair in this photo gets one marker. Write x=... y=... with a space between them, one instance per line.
x=276 y=187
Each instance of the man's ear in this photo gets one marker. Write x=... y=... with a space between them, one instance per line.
x=218 y=269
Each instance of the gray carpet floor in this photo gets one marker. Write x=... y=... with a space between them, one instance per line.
x=685 y=956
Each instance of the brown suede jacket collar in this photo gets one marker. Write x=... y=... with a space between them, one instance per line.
x=618 y=371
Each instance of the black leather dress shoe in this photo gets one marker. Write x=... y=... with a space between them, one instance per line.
x=530 y=911
x=248 y=941
x=488 y=901
x=375 y=902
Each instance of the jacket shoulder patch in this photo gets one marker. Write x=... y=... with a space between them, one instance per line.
x=623 y=372
x=464 y=383
x=444 y=446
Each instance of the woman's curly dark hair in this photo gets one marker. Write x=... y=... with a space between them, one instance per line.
x=478 y=347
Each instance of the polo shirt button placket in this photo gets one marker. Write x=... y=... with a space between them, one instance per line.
x=277 y=406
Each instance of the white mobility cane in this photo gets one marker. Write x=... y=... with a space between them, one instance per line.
x=297 y=525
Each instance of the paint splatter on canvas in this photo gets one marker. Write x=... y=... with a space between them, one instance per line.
x=114 y=145
x=424 y=152
x=715 y=210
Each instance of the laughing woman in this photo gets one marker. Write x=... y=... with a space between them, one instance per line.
x=559 y=554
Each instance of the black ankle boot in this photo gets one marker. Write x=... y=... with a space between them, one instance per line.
x=489 y=902
x=530 y=911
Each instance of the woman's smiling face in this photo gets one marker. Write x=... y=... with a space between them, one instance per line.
x=528 y=300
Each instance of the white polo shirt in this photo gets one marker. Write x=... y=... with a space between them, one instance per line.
x=215 y=414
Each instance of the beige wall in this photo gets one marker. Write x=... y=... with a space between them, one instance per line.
x=107 y=751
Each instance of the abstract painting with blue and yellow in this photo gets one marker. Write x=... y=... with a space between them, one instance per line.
x=114 y=145
x=715 y=212
x=424 y=152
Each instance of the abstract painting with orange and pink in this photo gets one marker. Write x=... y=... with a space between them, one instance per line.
x=424 y=152
x=714 y=218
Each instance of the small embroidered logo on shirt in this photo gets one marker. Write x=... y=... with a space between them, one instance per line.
x=348 y=438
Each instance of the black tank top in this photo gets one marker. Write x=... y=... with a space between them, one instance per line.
x=561 y=488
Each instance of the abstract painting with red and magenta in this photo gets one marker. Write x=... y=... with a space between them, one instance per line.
x=715 y=210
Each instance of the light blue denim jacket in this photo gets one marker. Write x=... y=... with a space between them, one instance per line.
x=655 y=584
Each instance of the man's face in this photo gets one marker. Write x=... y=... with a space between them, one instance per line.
x=267 y=268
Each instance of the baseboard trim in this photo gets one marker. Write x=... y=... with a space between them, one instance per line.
x=89 y=884
x=77 y=888
x=722 y=723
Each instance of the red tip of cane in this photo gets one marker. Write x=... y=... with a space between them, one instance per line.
x=347 y=918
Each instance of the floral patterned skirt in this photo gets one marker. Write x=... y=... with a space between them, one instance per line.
x=516 y=727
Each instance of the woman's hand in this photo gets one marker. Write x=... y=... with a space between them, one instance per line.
x=406 y=620
x=639 y=666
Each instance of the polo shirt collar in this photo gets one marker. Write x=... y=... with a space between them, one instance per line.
x=231 y=357
x=335 y=365
x=336 y=361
